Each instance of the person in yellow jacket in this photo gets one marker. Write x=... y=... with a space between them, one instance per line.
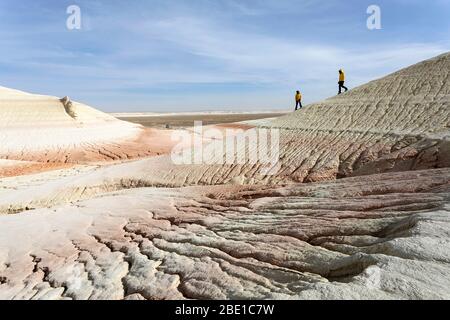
x=342 y=81
x=298 y=100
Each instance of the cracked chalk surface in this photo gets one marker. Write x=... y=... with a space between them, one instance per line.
x=302 y=241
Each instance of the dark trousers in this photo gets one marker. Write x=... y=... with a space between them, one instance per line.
x=299 y=103
x=341 y=85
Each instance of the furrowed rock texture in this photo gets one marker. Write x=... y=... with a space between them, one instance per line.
x=234 y=231
x=398 y=123
x=50 y=130
x=378 y=237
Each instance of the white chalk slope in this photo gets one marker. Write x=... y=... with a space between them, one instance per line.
x=30 y=123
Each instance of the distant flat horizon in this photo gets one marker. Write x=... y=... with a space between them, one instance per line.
x=188 y=113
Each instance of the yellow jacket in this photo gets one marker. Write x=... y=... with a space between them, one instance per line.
x=342 y=76
x=298 y=97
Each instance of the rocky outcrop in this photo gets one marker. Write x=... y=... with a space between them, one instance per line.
x=68 y=106
x=397 y=123
x=135 y=231
x=50 y=130
x=378 y=237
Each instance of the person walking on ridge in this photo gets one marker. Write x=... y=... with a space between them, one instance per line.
x=298 y=101
x=342 y=81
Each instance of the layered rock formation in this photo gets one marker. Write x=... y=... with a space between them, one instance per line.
x=50 y=130
x=150 y=229
x=400 y=122
x=378 y=237
x=397 y=123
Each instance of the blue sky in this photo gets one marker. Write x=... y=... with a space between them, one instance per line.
x=190 y=55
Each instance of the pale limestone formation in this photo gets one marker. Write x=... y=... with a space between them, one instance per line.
x=397 y=123
x=378 y=237
x=51 y=130
x=150 y=229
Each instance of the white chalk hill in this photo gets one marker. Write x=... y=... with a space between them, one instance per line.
x=398 y=123
x=34 y=123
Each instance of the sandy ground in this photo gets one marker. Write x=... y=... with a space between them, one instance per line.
x=13 y=168
x=186 y=121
